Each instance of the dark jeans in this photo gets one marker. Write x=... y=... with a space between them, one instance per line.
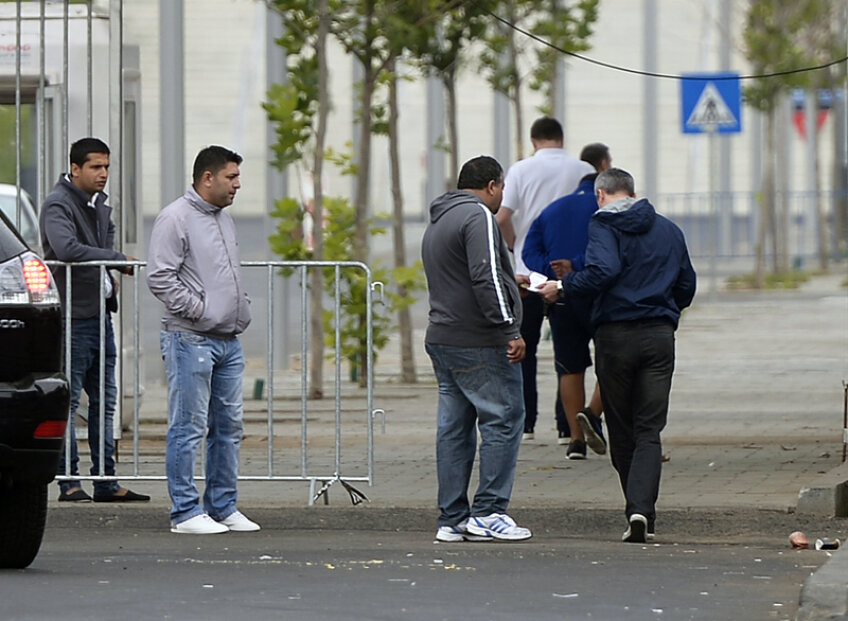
x=85 y=375
x=531 y=330
x=635 y=362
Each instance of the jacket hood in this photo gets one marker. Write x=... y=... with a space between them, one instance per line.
x=629 y=216
x=65 y=182
x=448 y=201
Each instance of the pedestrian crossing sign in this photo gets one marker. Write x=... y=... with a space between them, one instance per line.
x=710 y=103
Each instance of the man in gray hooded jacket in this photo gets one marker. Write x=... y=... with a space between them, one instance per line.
x=474 y=341
x=193 y=268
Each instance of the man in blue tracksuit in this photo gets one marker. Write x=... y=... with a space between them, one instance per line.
x=555 y=245
x=639 y=274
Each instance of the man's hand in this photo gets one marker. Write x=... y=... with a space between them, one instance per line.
x=523 y=281
x=515 y=350
x=561 y=267
x=550 y=291
x=128 y=269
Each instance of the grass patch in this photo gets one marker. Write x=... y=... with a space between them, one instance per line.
x=781 y=280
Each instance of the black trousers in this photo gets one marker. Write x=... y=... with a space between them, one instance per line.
x=634 y=363
x=531 y=330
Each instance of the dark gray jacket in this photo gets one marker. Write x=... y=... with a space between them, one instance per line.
x=474 y=300
x=193 y=267
x=72 y=231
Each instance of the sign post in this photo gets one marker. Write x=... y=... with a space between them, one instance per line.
x=711 y=104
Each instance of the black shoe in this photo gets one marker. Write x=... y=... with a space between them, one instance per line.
x=78 y=495
x=130 y=496
x=635 y=532
x=563 y=437
x=576 y=450
x=590 y=425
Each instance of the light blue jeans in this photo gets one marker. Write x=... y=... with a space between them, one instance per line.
x=478 y=389
x=204 y=400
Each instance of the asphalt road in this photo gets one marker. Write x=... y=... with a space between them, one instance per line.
x=144 y=573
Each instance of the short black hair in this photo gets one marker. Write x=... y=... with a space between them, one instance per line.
x=615 y=180
x=84 y=147
x=546 y=128
x=595 y=154
x=476 y=173
x=213 y=159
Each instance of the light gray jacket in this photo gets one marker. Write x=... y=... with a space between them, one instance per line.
x=193 y=267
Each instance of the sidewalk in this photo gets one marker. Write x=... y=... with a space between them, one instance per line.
x=756 y=415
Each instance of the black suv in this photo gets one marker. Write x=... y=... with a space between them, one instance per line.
x=34 y=395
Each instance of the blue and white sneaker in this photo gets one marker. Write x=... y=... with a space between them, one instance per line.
x=459 y=532
x=499 y=526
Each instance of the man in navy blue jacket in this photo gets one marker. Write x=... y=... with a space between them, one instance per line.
x=639 y=274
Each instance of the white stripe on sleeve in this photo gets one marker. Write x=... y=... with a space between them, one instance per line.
x=505 y=314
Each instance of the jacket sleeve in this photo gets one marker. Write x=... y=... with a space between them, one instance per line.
x=534 y=253
x=684 y=287
x=482 y=250
x=165 y=259
x=602 y=264
x=60 y=232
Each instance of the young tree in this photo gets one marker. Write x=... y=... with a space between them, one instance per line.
x=567 y=25
x=771 y=45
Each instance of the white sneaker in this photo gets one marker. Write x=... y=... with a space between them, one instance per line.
x=636 y=530
x=199 y=525
x=236 y=522
x=452 y=534
x=499 y=526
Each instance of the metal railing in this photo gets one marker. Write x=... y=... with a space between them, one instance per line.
x=323 y=470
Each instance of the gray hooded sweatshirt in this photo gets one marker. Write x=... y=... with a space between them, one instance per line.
x=193 y=268
x=474 y=300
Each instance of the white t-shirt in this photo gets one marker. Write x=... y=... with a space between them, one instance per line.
x=534 y=183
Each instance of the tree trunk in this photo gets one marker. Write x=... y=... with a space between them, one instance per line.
x=767 y=211
x=516 y=97
x=449 y=80
x=407 y=357
x=316 y=293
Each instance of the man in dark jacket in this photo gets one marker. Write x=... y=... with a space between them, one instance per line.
x=474 y=341
x=639 y=273
x=76 y=226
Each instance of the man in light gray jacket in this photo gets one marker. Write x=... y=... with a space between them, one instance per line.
x=193 y=268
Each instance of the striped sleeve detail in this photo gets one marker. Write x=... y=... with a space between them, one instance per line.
x=493 y=264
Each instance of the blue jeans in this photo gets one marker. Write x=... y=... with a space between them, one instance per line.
x=478 y=388
x=634 y=363
x=85 y=375
x=204 y=400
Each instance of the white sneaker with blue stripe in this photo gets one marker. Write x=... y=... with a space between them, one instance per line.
x=459 y=532
x=499 y=526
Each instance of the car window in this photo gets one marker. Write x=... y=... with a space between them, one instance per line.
x=10 y=243
x=29 y=223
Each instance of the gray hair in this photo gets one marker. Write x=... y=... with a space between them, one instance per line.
x=615 y=180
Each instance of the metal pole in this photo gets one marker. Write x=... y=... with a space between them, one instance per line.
x=725 y=226
x=65 y=91
x=501 y=130
x=435 y=184
x=18 y=115
x=304 y=362
x=41 y=109
x=270 y=372
x=650 y=149
x=712 y=133
x=89 y=74
x=172 y=100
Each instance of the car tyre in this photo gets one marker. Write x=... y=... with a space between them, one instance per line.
x=23 y=514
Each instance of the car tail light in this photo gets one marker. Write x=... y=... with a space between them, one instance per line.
x=25 y=279
x=50 y=429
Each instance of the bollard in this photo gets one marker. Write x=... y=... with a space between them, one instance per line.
x=258 y=388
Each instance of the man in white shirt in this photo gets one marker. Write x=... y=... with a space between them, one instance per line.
x=531 y=185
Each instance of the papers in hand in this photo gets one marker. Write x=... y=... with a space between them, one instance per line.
x=537 y=280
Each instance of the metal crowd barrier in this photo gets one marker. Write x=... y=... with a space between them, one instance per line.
x=340 y=468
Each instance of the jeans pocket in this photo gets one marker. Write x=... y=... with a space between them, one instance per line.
x=472 y=378
x=191 y=338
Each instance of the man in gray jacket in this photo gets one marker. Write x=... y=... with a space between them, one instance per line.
x=76 y=226
x=193 y=268
x=475 y=344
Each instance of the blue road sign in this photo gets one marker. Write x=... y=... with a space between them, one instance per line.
x=710 y=102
